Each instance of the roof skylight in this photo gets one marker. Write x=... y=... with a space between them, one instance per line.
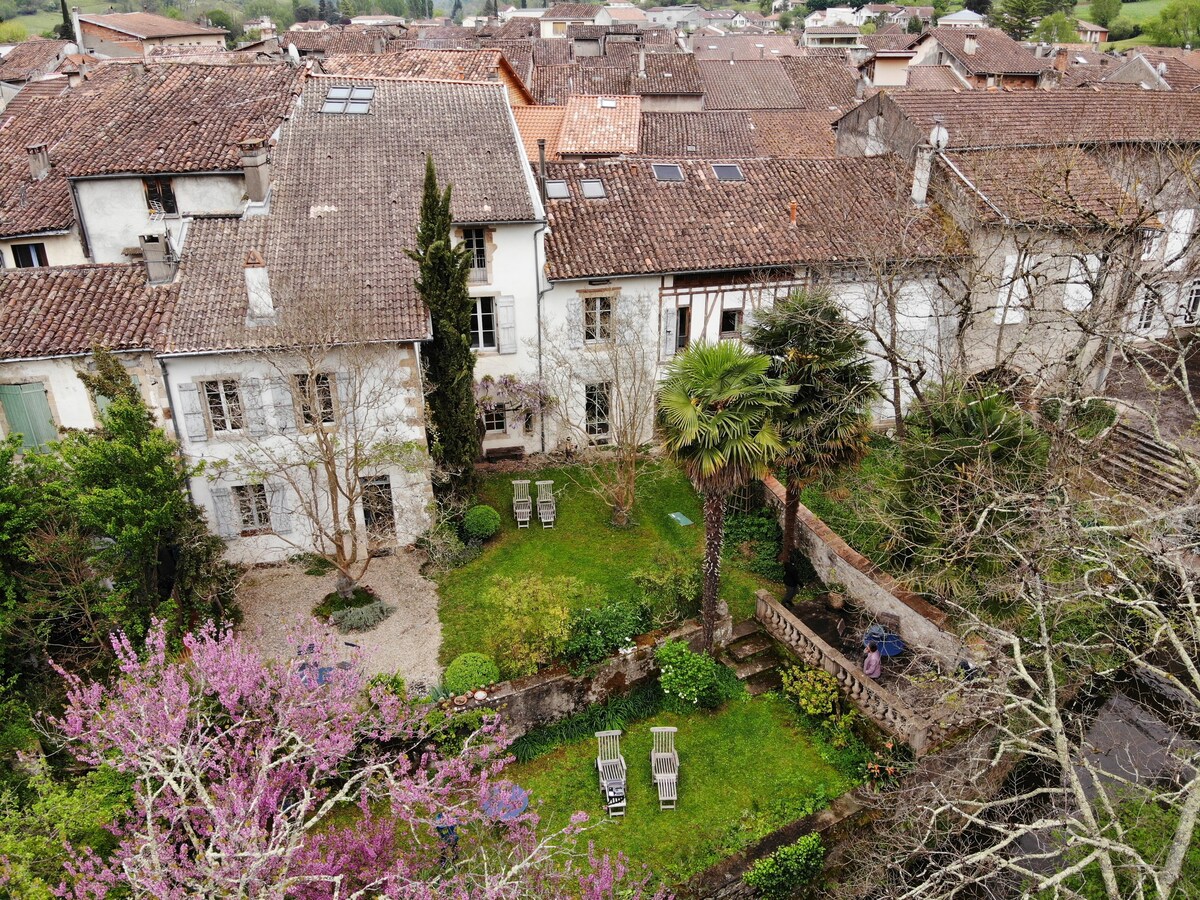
x=728 y=172
x=593 y=188
x=557 y=190
x=608 y=102
x=667 y=172
x=347 y=99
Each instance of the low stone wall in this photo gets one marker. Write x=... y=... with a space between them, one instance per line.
x=875 y=701
x=547 y=697
x=921 y=624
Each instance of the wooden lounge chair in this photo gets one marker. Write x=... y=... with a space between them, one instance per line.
x=545 y=502
x=664 y=764
x=610 y=765
x=522 y=505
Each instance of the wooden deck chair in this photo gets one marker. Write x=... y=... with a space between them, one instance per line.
x=610 y=766
x=522 y=505
x=664 y=764
x=545 y=501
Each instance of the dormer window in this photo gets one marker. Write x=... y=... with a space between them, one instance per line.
x=347 y=99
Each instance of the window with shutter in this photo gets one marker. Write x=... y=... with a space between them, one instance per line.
x=314 y=394
x=253 y=509
x=27 y=412
x=223 y=401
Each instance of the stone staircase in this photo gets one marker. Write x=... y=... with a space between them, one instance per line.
x=1134 y=461
x=753 y=658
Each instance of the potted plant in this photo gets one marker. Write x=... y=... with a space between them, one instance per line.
x=835 y=594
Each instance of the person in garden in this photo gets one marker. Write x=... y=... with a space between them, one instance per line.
x=873 y=667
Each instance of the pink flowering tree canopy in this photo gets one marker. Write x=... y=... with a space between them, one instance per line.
x=287 y=779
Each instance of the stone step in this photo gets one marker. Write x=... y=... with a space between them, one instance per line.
x=751 y=645
x=769 y=680
x=751 y=667
x=745 y=628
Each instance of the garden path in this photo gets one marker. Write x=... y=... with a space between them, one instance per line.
x=273 y=599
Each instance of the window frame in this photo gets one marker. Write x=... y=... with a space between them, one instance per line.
x=324 y=394
x=476 y=241
x=1145 y=313
x=478 y=331
x=252 y=499
x=351 y=100
x=36 y=251
x=736 y=333
x=597 y=421
x=555 y=185
x=495 y=420
x=1191 y=303
x=377 y=485
x=737 y=170
x=592 y=189
x=598 y=319
x=31 y=440
x=659 y=177
x=161 y=190
x=225 y=388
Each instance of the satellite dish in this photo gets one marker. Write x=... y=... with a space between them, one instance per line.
x=939 y=137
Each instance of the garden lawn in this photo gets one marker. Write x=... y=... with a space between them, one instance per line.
x=745 y=770
x=1140 y=12
x=582 y=544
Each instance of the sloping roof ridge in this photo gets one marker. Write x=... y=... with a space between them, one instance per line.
x=401 y=80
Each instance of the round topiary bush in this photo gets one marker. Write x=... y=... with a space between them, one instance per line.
x=481 y=522
x=470 y=671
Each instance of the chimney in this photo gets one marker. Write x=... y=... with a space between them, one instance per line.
x=256 y=165
x=77 y=32
x=258 y=290
x=731 y=55
x=860 y=86
x=139 y=68
x=39 y=160
x=1061 y=62
x=542 y=168
x=159 y=259
x=921 y=172
x=970 y=43
x=641 y=62
x=792 y=213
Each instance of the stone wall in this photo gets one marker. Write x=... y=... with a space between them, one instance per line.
x=555 y=694
x=922 y=625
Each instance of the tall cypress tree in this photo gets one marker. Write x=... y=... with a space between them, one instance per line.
x=448 y=357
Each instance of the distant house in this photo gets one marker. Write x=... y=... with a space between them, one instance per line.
x=683 y=18
x=131 y=34
x=964 y=18
x=985 y=57
x=555 y=20
x=1090 y=33
x=832 y=36
x=834 y=15
x=1154 y=69
x=906 y=14
x=621 y=15
x=27 y=61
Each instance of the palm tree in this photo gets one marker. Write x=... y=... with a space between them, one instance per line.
x=714 y=416
x=827 y=424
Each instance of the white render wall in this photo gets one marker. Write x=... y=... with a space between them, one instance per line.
x=114 y=211
x=223 y=455
x=61 y=249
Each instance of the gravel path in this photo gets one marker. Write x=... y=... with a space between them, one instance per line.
x=274 y=599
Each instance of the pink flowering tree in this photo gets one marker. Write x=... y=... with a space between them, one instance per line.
x=289 y=779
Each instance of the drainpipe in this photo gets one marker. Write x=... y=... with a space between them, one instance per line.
x=537 y=271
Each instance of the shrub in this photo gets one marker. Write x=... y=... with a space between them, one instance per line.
x=1085 y=421
x=535 y=619
x=445 y=549
x=469 y=672
x=334 y=602
x=815 y=691
x=449 y=730
x=314 y=563
x=670 y=591
x=598 y=632
x=481 y=523
x=394 y=684
x=779 y=875
x=361 y=618
x=1122 y=28
x=690 y=680
x=754 y=540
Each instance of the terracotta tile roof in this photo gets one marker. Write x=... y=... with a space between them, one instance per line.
x=518 y=28
x=645 y=226
x=213 y=56
x=65 y=310
x=745 y=46
x=737 y=134
x=824 y=83
x=535 y=122
x=519 y=55
x=561 y=11
x=1046 y=118
x=434 y=65
x=551 y=51
x=554 y=84
x=1046 y=186
x=35 y=56
x=1181 y=74
x=666 y=73
x=626 y=14
x=832 y=29
x=463 y=36
x=887 y=40
x=750 y=84
x=148 y=25
x=580 y=31
x=934 y=78
x=339 y=229
x=995 y=54
x=589 y=127
x=54 y=86
x=336 y=39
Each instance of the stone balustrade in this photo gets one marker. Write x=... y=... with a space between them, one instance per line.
x=876 y=702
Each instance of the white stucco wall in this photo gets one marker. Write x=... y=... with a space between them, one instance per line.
x=61 y=249
x=114 y=211
x=229 y=458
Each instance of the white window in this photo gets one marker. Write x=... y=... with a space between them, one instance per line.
x=483 y=324
x=596 y=409
x=347 y=99
x=475 y=240
x=608 y=102
x=597 y=319
x=1191 y=302
x=224 y=405
x=1014 y=291
x=1179 y=237
x=1145 y=317
x=1081 y=276
x=253 y=508
x=315 y=396
x=495 y=421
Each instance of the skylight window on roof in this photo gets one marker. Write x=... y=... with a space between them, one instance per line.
x=593 y=188
x=608 y=102
x=347 y=99
x=557 y=190
x=667 y=172
x=728 y=173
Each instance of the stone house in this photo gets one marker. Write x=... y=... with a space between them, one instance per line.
x=131 y=34
x=984 y=57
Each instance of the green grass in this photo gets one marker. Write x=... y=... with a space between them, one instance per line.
x=582 y=545
x=745 y=770
x=333 y=602
x=1141 y=11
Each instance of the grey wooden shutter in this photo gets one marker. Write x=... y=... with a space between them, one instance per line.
x=193 y=414
x=575 y=323
x=285 y=410
x=252 y=402
x=223 y=512
x=345 y=398
x=281 y=518
x=506 y=325
x=668 y=331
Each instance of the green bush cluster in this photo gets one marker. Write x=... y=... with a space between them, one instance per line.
x=480 y=523
x=780 y=875
x=535 y=619
x=670 y=591
x=598 y=632
x=617 y=713
x=690 y=680
x=469 y=672
x=393 y=683
x=449 y=730
x=815 y=691
x=445 y=549
x=753 y=540
x=1085 y=421
x=361 y=618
